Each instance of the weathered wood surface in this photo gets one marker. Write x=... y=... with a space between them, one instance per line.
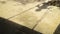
x=26 y=15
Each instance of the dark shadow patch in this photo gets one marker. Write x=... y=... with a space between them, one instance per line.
x=49 y=3
x=3 y=2
x=57 y=31
x=9 y=27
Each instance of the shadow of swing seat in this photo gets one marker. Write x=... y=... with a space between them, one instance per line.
x=10 y=27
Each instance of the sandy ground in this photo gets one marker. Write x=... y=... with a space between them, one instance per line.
x=47 y=19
